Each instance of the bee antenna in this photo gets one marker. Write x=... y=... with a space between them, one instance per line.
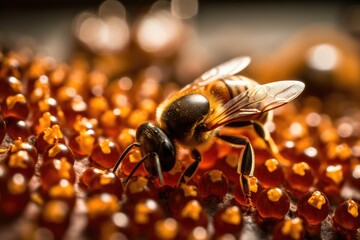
x=123 y=155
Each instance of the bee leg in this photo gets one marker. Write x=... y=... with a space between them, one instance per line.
x=157 y=163
x=264 y=134
x=191 y=170
x=246 y=163
x=123 y=155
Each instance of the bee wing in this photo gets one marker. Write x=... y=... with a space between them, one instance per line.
x=225 y=69
x=255 y=101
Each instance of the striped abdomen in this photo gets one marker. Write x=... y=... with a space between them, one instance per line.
x=227 y=88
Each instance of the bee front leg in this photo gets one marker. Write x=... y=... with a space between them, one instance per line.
x=192 y=168
x=246 y=164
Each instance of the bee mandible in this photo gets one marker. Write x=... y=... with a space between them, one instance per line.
x=193 y=116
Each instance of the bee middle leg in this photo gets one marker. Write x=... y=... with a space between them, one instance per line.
x=192 y=168
x=264 y=134
x=246 y=162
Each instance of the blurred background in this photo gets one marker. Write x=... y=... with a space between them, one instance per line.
x=315 y=42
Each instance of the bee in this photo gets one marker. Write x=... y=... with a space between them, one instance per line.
x=193 y=116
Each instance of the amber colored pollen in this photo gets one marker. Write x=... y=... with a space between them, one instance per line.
x=335 y=173
x=271 y=164
x=138 y=185
x=54 y=211
x=274 y=194
x=53 y=133
x=17 y=159
x=215 y=175
x=300 y=168
x=317 y=200
x=353 y=208
x=232 y=215
x=189 y=190
x=12 y=100
x=192 y=210
x=293 y=228
x=142 y=210
x=105 y=146
x=166 y=229
x=45 y=121
x=253 y=185
x=85 y=141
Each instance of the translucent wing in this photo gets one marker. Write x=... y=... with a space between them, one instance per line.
x=223 y=70
x=255 y=101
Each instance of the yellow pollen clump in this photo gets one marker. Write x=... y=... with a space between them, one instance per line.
x=85 y=141
x=232 y=215
x=353 y=208
x=61 y=191
x=43 y=105
x=50 y=134
x=271 y=164
x=18 y=159
x=18 y=144
x=166 y=229
x=317 y=200
x=135 y=156
x=102 y=204
x=335 y=173
x=192 y=210
x=292 y=228
x=189 y=190
x=274 y=194
x=55 y=149
x=45 y=121
x=15 y=84
x=16 y=184
x=142 y=212
x=63 y=167
x=55 y=211
x=105 y=146
x=108 y=118
x=300 y=168
x=253 y=184
x=106 y=179
x=215 y=175
x=138 y=185
x=12 y=100
x=232 y=160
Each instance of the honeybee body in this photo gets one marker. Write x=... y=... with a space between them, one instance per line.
x=193 y=116
x=183 y=116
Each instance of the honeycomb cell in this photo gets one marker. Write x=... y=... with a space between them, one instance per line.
x=213 y=183
x=313 y=208
x=273 y=203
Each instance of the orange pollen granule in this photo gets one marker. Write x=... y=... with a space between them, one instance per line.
x=271 y=164
x=85 y=141
x=105 y=146
x=335 y=173
x=232 y=215
x=353 y=208
x=215 y=175
x=50 y=134
x=317 y=200
x=12 y=100
x=300 y=168
x=274 y=194
x=292 y=228
x=138 y=185
x=192 y=210
x=189 y=190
